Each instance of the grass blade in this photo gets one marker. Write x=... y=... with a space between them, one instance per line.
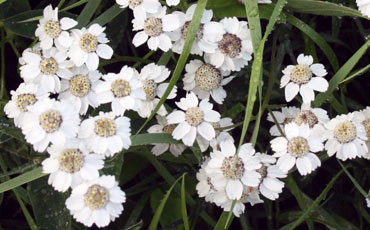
x=22 y=179
x=108 y=15
x=355 y=183
x=87 y=13
x=183 y=205
x=153 y=138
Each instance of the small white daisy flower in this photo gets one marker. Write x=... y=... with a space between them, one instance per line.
x=221 y=135
x=52 y=31
x=172 y=2
x=88 y=45
x=163 y=127
x=209 y=33
x=50 y=121
x=364 y=7
x=346 y=138
x=204 y=186
x=25 y=96
x=105 y=134
x=124 y=90
x=231 y=172
x=143 y=6
x=270 y=185
x=206 y=80
x=36 y=49
x=45 y=70
x=155 y=29
x=96 y=202
x=80 y=88
x=305 y=77
x=235 y=49
x=297 y=148
x=363 y=117
x=152 y=76
x=284 y=117
x=193 y=119
x=70 y=164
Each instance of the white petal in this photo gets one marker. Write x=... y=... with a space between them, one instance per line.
x=234 y=189
x=104 y=51
x=319 y=84
x=291 y=90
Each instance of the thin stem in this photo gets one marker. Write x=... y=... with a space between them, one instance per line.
x=79 y=3
x=276 y=123
x=11 y=43
x=61 y=2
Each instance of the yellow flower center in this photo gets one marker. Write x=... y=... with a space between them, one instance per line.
x=301 y=74
x=194 y=116
x=51 y=120
x=298 y=146
x=71 y=160
x=105 y=127
x=24 y=100
x=79 y=85
x=232 y=170
x=121 y=88
x=88 y=42
x=207 y=77
x=153 y=27
x=49 y=66
x=230 y=45
x=96 y=197
x=52 y=28
x=345 y=132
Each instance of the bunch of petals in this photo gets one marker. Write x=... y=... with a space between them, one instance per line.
x=154 y=29
x=282 y=118
x=204 y=186
x=363 y=117
x=206 y=80
x=152 y=77
x=194 y=119
x=304 y=78
x=48 y=121
x=209 y=32
x=346 y=137
x=140 y=7
x=79 y=90
x=220 y=135
x=297 y=147
x=96 y=201
x=24 y=97
x=123 y=90
x=164 y=127
x=70 y=164
x=235 y=49
x=364 y=7
x=229 y=172
x=106 y=134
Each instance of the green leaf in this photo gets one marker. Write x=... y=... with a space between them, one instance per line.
x=355 y=183
x=251 y=9
x=108 y=15
x=341 y=74
x=48 y=206
x=322 y=8
x=153 y=138
x=22 y=179
x=8 y=128
x=224 y=222
x=183 y=205
x=13 y=7
x=193 y=30
x=136 y=226
x=157 y=215
x=87 y=13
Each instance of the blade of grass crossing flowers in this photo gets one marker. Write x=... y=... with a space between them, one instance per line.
x=22 y=179
x=252 y=11
x=193 y=29
x=157 y=215
x=183 y=205
x=357 y=185
x=341 y=74
x=87 y=13
x=108 y=15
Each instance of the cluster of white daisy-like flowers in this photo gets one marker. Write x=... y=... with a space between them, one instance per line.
x=62 y=84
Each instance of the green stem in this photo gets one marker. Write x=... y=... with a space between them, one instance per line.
x=61 y=2
x=11 y=43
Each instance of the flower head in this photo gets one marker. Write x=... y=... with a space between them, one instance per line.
x=284 y=117
x=363 y=118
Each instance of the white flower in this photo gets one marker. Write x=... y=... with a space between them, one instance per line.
x=172 y=2
x=151 y=77
x=124 y=90
x=155 y=28
x=209 y=33
x=80 y=88
x=70 y=164
x=231 y=172
x=88 y=45
x=163 y=127
x=96 y=202
x=221 y=135
x=364 y=7
x=270 y=186
x=36 y=49
x=105 y=134
x=52 y=31
x=45 y=70
x=206 y=80
x=304 y=78
x=140 y=6
x=363 y=117
x=25 y=96
x=284 y=117
x=195 y=119
x=234 y=49
x=204 y=186
x=50 y=121
x=346 y=138
x=297 y=148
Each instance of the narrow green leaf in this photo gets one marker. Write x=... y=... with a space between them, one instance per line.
x=251 y=9
x=224 y=222
x=136 y=211
x=357 y=185
x=87 y=13
x=136 y=226
x=183 y=205
x=193 y=30
x=157 y=215
x=108 y=15
x=22 y=179
x=356 y=73
x=341 y=74
x=152 y=138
